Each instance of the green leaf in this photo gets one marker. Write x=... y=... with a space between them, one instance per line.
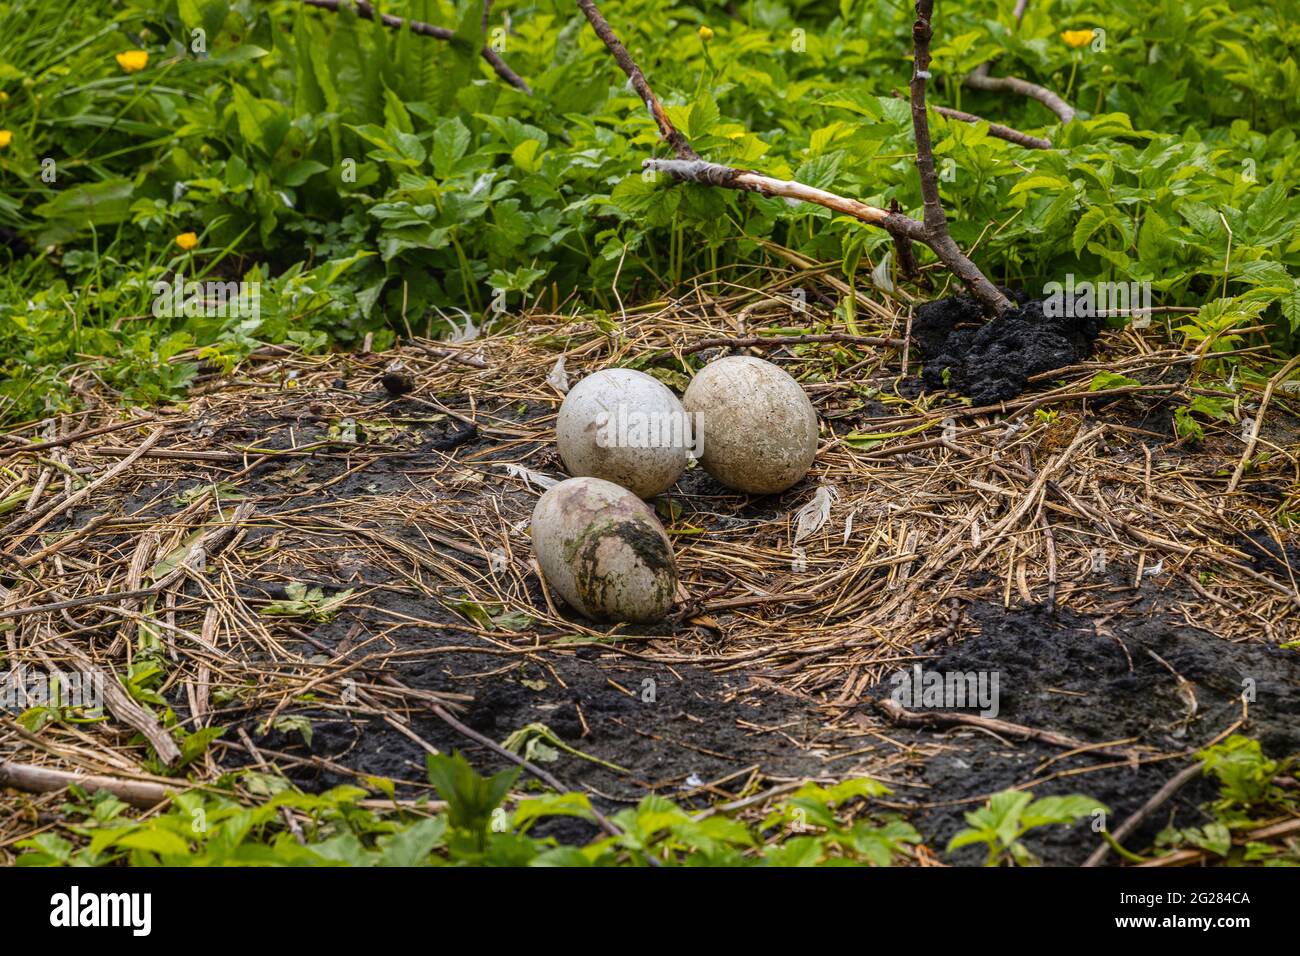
x=471 y=798
x=1062 y=809
x=1107 y=380
x=154 y=840
x=797 y=851
x=703 y=117
x=525 y=155
x=75 y=209
x=529 y=812
x=1093 y=219
x=1214 y=837
x=263 y=123
x=206 y=14
x=1263 y=272
x=412 y=846
x=1290 y=304
x=451 y=140
x=859 y=101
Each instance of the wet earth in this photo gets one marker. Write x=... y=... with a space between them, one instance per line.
x=1102 y=680
x=992 y=361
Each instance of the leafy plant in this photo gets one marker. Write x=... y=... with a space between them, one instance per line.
x=436 y=199
x=211 y=828
x=1249 y=795
x=1013 y=813
x=312 y=604
x=536 y=741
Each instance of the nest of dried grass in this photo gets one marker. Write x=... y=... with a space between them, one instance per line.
x=131 y=527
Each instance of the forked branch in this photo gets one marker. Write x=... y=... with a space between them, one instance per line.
x=979 y=79
x=688 y=167
x=936 y=223
x=995 y=129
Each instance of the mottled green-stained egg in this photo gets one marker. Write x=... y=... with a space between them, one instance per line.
x=757 y=429
x=603 y=551
x=626 y=427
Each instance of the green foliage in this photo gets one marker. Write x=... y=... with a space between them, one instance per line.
x=1250 y=795
x=311 y=604
x=815 y=826
x=1013 y=813
x=429 y=193
x=1209 y=407
x=210 y=828
x=1109 y=380
x=1245 y=775
x=471 y=798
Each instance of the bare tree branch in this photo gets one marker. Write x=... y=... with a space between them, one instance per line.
x=670 y=134
x=980 y=80
x=995 y=129
x=366 y=12
x=715 y=174
x=937 y=236
x=689 y=167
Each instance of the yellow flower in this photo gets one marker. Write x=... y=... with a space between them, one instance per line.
x=6 y=138
x=187 y=241
x=1076 y=38
x=133 y=61
x=706 y=34
x=4 y=97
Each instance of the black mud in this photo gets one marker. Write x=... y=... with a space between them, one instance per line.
x=1066 y=672
x=992 y=361
x=667 y=729
x=1267 y=555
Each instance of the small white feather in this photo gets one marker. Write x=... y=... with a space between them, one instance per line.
x=532 y=479
x=558 y=378
x=810 y=518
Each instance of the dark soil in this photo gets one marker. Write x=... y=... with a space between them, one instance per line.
x=992 y=361
x=663 y=725
x=1267 y=555
x=1062 y=671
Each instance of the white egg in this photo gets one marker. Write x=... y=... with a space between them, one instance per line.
x=626 y=427
x=758 y=431
x=604 y=552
